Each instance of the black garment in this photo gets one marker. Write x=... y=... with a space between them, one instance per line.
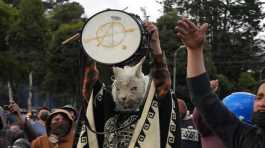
x=234 y=134
x=190 y=137
x=104 y=110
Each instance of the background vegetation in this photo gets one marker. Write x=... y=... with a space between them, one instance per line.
x=31 y=33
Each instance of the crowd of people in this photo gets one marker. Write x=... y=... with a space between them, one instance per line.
x=43 y=130
x=210 y=125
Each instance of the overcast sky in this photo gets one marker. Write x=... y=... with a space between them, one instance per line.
x=153 y=8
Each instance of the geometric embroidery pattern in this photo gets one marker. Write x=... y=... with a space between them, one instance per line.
x=151 y=114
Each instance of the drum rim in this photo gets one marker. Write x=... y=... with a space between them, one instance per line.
x=139 y=25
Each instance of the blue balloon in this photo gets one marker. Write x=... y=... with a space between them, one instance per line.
x=241 y=104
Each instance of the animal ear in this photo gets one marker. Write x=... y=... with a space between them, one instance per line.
x=138 y=68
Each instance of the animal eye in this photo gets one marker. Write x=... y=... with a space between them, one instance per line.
x=117 y=89
x=133 y=88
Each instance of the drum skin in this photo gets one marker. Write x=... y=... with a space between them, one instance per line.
x=113 y=37
x=241 y=104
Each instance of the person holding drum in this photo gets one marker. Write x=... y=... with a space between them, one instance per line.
x=140 y=110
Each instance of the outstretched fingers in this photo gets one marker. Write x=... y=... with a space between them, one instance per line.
x=204 y=28
x=192 y=27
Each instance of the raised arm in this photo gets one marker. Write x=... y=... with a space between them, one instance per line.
x=216 y=115
x=91 y=76
x=192 y=37
x=159 y=71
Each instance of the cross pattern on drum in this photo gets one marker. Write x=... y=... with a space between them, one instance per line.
x=111 y=34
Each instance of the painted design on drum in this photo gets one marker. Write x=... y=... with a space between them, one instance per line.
x=111 y=35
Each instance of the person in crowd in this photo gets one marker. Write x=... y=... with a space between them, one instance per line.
x=239 y=103
x=39 y=125
x=110 y=114
x=190 y=137
x=4 y=140
x=18 y=137
x=59 y=127
x=233 y=132
x=32 y=129
x=2 y=119
x=72 y=111
x=208 y=138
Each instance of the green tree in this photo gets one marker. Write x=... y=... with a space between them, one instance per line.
x=172 y=47
x=246 y=82
x=10 y=68
x=28 y=39
x=226 y=87
x=62 y=79
x=65 y=13
x=232 y=28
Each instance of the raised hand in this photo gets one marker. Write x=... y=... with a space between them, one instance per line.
x=91 y=75
x=191 y=35
x=214 y=85
x=14 y=108
x=154 y=42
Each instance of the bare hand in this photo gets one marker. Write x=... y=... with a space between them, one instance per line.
x=14 y=108
x=154 y=42
x=91 y=75
x=214 y=85
x=191 y=35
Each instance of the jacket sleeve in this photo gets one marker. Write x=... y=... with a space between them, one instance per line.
x=208 y=138
x=200 y=124
x=216 y=115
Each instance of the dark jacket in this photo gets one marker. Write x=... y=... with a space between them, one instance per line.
x=233 y=133
x=208 y=138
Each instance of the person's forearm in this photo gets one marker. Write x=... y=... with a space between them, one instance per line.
x=195 y=63
x=20 y=119
x=157 y=49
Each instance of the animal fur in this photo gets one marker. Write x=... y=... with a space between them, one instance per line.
x=129 y=86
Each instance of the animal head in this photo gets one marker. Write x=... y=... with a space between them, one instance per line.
x=128 y=88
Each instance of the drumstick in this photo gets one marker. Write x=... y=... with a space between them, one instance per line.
x=74 y=37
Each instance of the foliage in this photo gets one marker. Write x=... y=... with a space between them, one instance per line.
x=64 y=14
x=225 y=86
x=27 y=39
x=7 y=16
x=171 y=45
x=62 y=80
x=246 y=82
x=233 y=26
x=29 y=35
